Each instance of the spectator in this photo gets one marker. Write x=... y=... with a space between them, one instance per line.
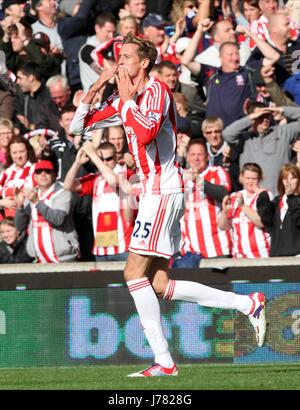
x=136 y=9
x=206 y=187
x=229 y=87
x=239 y=215
x=281 y=215
x=38 y=139
x=64 y=147
x=219 y=152
x=49 y=111
x=250 y=12
x=50 y=62
x=116 y=136
x=31 y=95
x=13 y=243
x=154 y=30
x=19 y=47
x=6 y=134
x=261 y=27
x=19 y=172
x=46 y=11
x=105 y=27
x=74 y=30
x=268 y=146
x=168 y=74
x=112 y=220
x=208 y=60
x=14 y=9
x=47 y=214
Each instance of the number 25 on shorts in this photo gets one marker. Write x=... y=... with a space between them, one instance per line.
x=144 y=232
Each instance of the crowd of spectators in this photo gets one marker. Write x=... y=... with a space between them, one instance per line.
x=233 y=69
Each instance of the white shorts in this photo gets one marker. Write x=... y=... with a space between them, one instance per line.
x=157 y=229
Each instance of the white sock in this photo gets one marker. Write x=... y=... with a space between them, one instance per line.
x=148 y=309
x=207 y=296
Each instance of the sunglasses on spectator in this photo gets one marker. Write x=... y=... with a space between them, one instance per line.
x=108 y=158
x=39 y=171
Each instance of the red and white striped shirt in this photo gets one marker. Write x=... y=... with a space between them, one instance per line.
x=259 y=28
x=150 y=125
x=199 y=225
x=14 y=177
x=248 y=241
x=43 y=231
x=108 y=209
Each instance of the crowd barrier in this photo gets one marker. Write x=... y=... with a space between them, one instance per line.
x=82 y=314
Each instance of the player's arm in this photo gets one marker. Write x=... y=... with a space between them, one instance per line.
x=86 y=119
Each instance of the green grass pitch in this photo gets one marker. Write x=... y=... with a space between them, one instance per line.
x=191 y=377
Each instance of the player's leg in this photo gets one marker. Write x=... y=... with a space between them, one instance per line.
x=148 y=309
x=252 y=305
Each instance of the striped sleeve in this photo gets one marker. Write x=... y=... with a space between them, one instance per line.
x=86 y=119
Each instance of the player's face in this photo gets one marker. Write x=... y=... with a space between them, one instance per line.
x=197 y=157
x=18 y=153
x=130 y=60
x=250 y=181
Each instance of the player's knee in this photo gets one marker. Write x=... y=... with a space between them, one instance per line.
x=160 y=288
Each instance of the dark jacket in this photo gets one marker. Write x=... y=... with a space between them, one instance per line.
x=17 y=253
x=285 y=236
x=74 y=31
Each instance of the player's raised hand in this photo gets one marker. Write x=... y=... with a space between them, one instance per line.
x=126 y=88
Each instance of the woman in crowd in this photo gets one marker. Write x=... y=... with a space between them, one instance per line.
x=239 y=214
x=6 y=134
x=20 y=158
x=281 y=216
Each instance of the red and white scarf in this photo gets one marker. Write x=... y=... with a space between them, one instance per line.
x=283 y=206
x=42 y=231
x=14 y=177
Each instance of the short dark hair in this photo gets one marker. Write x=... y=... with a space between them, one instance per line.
x=103 y=18
x=253 y=167
x=31 y=68
x=146 y=49
x=107 y=145
x=197 y=141
x=166 y=64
